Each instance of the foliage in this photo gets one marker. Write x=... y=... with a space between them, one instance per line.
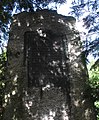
x=94 y=83
x=3 y=60
x=88 y=11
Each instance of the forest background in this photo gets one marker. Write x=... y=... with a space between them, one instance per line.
x=87 y=14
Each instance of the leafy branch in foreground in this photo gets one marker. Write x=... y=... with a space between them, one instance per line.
x=94 y=83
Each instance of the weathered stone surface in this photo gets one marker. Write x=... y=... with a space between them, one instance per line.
x=28 y=103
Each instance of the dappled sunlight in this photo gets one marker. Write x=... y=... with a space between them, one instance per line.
x=83 y=102
x=13 y=90
x=61 y=21
x=47 y=87
x=76 y=103
x=28 y=104
x=45 y=67
x=14 y=117
x=50 y=116
x=87 y=111
x=70 y=26
x=15 y=20
x=19 y=24
x=27 y=23
x=6 y=97
x=48 y=65
x=47 y=112
x=77 y=53
x=70 y=47
x=15 y=80
x=41 y=17
x=76 y=65
x=11 y=71
x=41 y=33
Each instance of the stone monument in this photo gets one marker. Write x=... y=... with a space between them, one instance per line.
x=47 y=78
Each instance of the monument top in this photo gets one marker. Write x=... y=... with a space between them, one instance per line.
x=45 y=20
